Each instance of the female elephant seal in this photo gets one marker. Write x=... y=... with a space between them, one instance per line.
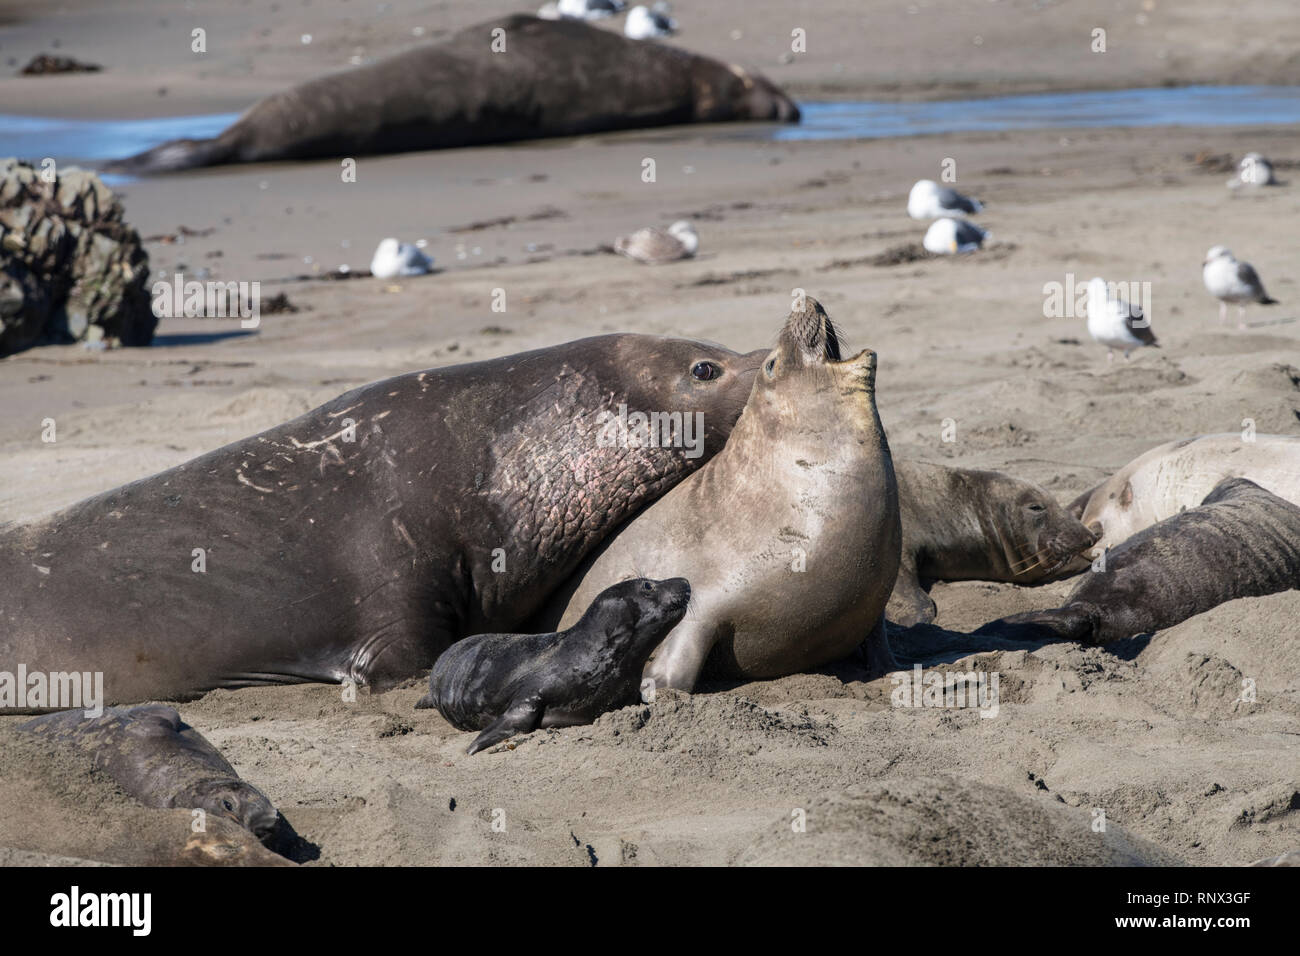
x=504 y=684
x=162 y=762
x=1242 y=541
x=553 y=78
x=1177 y=475
x=966 y=525
x=789 y=537
x=355 y=543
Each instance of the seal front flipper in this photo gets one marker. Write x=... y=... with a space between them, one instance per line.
x=1073 y=622
x=680 y=658
x=909 y=604
x=522 y=718
x=875 y=652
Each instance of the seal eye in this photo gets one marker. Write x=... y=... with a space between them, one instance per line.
x=1037 y=507
x=228 y=804
x=647 y=586
x=770 y=367
x=705 y=371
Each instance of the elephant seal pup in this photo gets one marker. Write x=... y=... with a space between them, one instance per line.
x=789 y=537
x=1242 y=541
x=1171 y=477
x=553 y=78
x=358 y=541
x=966 y=525
x=505 y=684
x=162 y=762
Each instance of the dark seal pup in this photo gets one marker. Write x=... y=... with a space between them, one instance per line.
x=355 y=543
x=554 y=78
x=965 y=525
x=1242 y=541
x=505 y=684
x=162 y=762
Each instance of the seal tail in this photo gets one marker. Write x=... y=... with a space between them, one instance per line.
x=174 y=155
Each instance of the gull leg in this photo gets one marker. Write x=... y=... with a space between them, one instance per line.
x=1241 y=316
x=1223 y=313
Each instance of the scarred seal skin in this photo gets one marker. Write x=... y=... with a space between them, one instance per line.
x=960 y=524
x=162 y=762
x=1242 y=541
x=505 y=684
x=357 y=542
x=554 y=78
x=789 y=537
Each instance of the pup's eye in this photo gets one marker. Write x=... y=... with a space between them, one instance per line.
x=1037 y=507
x=770 y=367
x=647 y=586
x=705 y=371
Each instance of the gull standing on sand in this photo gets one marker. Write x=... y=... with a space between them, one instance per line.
x=1231 y=281
x=394 y=258
x=929 y=200
x=588 y=9
x=948 y=236
x=1115 y=323
x=645 y=23
x=653 y=246
x=1254 y=170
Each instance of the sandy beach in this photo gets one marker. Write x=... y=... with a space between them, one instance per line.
x=1152 y=731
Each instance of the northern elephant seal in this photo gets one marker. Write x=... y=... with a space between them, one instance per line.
x=505 y=684
x=356 y=542
x=162 y=762
x=1242 y=541
x=1179 y=474
x=508 y=79
x=965 y=525
x=789 y=537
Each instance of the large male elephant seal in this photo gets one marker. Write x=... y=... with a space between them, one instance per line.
x=509 y=79
x=965 y=525
x=789 y=537
x=1177 y=475
x=1242 y=541
x=504 y=684
x=162 y=762
x=355 y=543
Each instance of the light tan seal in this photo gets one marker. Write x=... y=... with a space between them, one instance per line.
x=789 y=537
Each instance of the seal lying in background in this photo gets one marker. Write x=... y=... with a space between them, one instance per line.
x=1242 y=541
x=356 y=542
x=162 y=762
x=505 y=684
x=966 y=525
x=553 y=78
x=1163 y=481
x=789 y=537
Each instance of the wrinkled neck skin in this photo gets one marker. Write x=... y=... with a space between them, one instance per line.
x=950 y=523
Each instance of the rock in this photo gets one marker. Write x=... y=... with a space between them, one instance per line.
x=68 y=262
x=44 y=63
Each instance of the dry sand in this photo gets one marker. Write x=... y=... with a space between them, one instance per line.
x=1150 y=731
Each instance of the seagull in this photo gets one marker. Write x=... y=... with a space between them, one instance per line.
x=1116 y=324
x=1231 y=281
x=947 y=236
x=929 y=200
x=1254 y=170
x=653 y=246
x=394 y=258
x=644 y=23
x=589 y=9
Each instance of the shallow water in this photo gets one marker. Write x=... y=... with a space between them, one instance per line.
x=34 y=138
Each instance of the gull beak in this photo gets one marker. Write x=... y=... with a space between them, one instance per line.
x=954 y=245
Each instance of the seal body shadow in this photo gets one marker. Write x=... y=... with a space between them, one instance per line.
x=960 y=524
x=789 y=537
x=1242 y=541
x=506 y=684
x=358 y=541
x=162 y=762
x=554 y=78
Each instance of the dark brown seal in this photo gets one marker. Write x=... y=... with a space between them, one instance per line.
x=965 y=525
x=504 y=684
x=509 y=79
x=1242 y=541
x=357 y=542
